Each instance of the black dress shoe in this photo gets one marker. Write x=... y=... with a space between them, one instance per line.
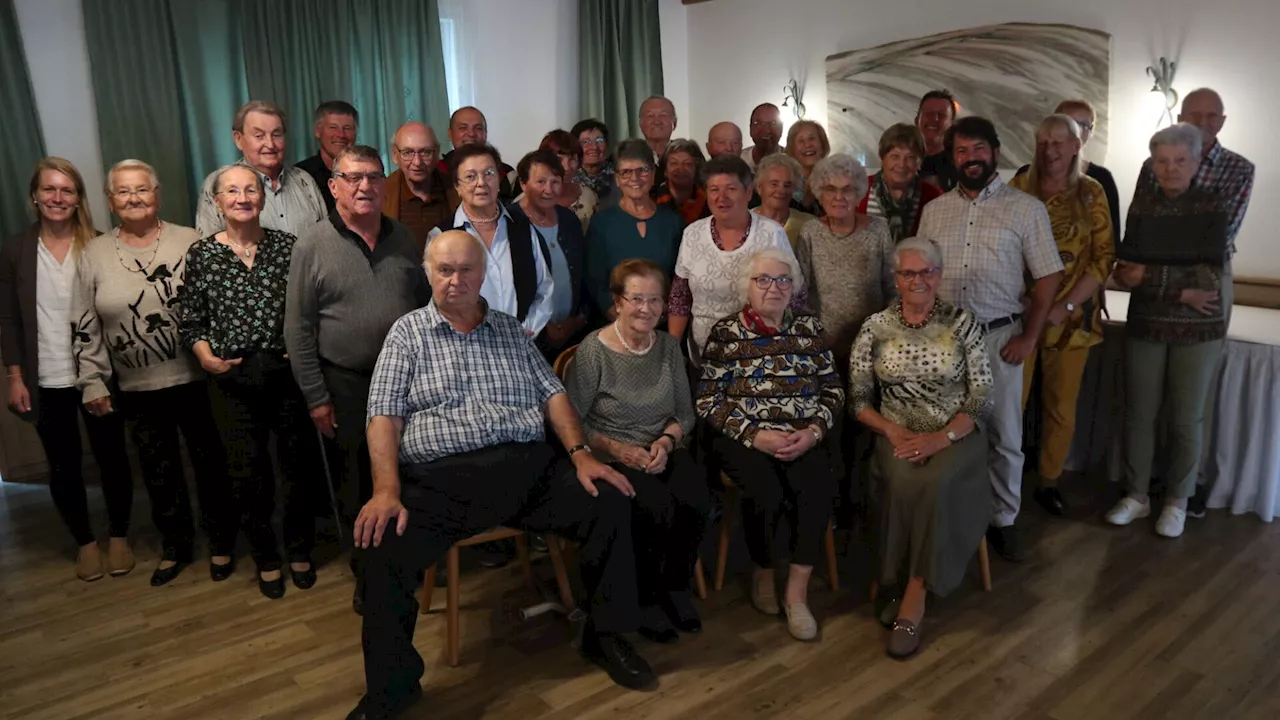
x=1007 y=542
x=272 y=589
x=305 y=579
x=165 y=576
x=493 y=555
x=680 y=611
x=218 y=573
x=657 y=627
x=615 y=656
x=364 y=709
x=1052 y=501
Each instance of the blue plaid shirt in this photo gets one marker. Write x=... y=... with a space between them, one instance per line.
x=460 y=392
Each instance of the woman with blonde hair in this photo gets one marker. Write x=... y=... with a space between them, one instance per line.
x=37 y=276
x=1081 y=220
x=777 y=177
x=130 y=357
x=807 y=142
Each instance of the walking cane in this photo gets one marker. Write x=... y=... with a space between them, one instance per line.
x=333 y=497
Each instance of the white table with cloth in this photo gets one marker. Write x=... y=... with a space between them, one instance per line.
x=1242 y=461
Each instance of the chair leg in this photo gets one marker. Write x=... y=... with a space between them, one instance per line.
x=700 y=580
x=562 y=574
x=428 y=585
x=875 y=590
x=452 y=611
x=522 y=552
x=984 y=565
x=726 y=526
x=833 y=571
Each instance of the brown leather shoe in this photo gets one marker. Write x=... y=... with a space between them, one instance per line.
x=904 y=639
x=89 y=563
x=764 y=596
x=120 y=556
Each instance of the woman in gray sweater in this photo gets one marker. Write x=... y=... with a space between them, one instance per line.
x=629 y=385
x=129 y=358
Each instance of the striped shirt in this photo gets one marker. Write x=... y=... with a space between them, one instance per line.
x=988 y=244
x=1225 y=174
x=296 y=206
x=459 y=392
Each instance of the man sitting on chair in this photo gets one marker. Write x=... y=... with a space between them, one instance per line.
x=456 y=413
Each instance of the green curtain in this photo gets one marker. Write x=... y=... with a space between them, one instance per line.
x=172 y=106
x=382 y=56
x=620 y=50
x=23 y=144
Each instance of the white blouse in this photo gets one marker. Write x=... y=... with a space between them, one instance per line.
x=55 y=283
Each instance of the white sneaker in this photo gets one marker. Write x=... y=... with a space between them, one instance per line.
x=1171 y=521
x=1128 y=510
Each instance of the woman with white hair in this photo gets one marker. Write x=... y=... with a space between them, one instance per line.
x=769 y=391
x=1081 y=222
x=777 y=177
x=846 y=257
x=919 y=378
x=713 y=251
x=1172 y=260
x=129 y=357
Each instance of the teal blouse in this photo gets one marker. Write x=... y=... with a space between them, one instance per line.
x=614 y=237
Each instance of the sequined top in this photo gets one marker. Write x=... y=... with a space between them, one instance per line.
x=923 y=376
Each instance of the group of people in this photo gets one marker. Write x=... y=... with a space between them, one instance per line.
x=758 y=312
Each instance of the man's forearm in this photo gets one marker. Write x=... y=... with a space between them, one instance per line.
x=564 y=421
x=383 y=436
x=1042 y=295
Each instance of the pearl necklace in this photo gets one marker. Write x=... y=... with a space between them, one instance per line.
x=155 y=251
x=482 y=221
x=653 y=340
x=927 y=318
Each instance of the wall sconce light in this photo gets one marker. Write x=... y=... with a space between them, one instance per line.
x=791 y=98
x=1162 y=89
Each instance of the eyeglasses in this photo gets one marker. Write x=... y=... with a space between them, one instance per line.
x=584 y=142
x=142 y=193
x=764 y=281
x=471 y=177
x=407 y=154
x=250 y=192
x=1086 y=127
x=912 y=275
x=843 y=191
x=358 y=178
x=640 y=172
x=642 y=300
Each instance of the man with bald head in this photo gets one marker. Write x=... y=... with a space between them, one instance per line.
x=1229 y=176
x=468 y=126
x=725 y=138
x=458 y=406
x=418 y=194
x=766 y=133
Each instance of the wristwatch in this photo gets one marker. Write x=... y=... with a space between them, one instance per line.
x=1069 y=306
x=952 y=436
x=580 y=448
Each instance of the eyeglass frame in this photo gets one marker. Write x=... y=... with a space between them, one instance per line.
x=628 y=173
x=912 y=275
x=471 y=177
x=421 y=153
x=357 y=179
x=764 y=282
x=637 y=301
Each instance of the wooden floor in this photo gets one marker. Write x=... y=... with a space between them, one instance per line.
x=1098 y=623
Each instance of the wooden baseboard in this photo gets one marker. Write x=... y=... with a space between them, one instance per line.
x=1257 y=292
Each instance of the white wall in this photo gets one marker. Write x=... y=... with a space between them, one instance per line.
x=53 y=41
x=673 y=22
x=741 y=53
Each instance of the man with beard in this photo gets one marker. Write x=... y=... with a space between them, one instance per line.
x=937 y=111
x=766 y=133
x=992 y=236
x=335 y=125
x=418 y=193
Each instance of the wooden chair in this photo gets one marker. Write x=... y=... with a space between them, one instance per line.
x=561 y=367
x=452 y=615
x=732 y=497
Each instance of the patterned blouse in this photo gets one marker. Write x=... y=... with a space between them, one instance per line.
x=1081 y=222
x=237 y=309
x=923 y=377
x=752 y=381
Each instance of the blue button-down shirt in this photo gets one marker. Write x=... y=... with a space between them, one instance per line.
x=459 y=392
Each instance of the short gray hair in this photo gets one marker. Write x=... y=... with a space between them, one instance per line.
x=783 y=160
x=927 y=248
x=130 y=164
x=1184 y=134
x=748 y=268
x=837 y=165
x=217 y=176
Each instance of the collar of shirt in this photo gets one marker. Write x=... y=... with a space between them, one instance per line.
x=715 y=231
x=996 y=185
x=436 y=184
x=384 y=229
x=435 y=319
x=460 y=220
x=1214 y=154
x=266 y=179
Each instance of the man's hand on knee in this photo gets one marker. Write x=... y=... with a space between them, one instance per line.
x=374 y=517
